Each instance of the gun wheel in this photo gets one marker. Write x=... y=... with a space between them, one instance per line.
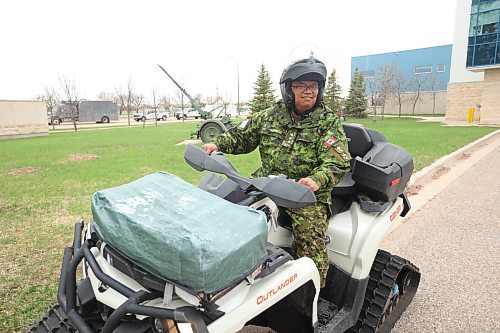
x=209 y=132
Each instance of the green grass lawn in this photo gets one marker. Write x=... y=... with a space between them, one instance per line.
x=46 y=184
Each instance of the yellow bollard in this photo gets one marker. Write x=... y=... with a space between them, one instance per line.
x=470 y=116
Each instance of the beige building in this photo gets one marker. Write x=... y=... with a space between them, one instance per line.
x=23 y=119
x=475 y=63
x=428 y=103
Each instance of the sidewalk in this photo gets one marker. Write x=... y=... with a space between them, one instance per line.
x=427 y=183
x=453 y=239
x=442 y=120
x=446 y=122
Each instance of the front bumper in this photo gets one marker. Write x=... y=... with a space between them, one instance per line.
x=67 y=293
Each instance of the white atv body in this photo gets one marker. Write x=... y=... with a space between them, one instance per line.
x=366 y=291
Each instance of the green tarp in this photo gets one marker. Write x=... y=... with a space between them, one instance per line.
x=180 y=232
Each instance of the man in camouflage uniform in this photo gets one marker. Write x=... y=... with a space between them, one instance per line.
x=301 y=138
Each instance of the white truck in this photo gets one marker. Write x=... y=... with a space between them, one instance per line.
x=84 y=111
x=187 y=113
x=152 y=114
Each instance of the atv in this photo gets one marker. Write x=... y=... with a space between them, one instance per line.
x=161 y=255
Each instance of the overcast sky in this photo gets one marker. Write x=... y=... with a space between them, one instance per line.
x=101 y=44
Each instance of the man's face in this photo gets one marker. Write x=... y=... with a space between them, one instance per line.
x=306 y=93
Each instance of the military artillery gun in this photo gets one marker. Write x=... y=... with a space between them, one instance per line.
x=209 y=128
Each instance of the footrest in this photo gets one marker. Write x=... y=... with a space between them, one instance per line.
x=326 y=311
x=368 y=205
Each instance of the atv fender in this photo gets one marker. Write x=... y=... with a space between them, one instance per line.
x=359 y=235
x=264 y=293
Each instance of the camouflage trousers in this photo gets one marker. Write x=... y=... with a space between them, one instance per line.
x=309 y=230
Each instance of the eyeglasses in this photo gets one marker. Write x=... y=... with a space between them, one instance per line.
x=303 y=87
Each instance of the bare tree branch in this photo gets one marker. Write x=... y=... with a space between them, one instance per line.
x=70 y=92
x=416 y=84
x=51 y=99
x=386 y=76
x=433 y=86
x=400 y=84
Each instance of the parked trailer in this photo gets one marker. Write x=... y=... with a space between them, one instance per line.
x=86 y=111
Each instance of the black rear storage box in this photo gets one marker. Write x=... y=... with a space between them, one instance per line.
x=383 y=172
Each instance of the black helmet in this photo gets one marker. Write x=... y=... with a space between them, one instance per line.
x=310 y=69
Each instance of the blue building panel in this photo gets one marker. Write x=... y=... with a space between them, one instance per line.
x=427 y=62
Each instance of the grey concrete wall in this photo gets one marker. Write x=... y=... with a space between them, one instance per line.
x=23 y=118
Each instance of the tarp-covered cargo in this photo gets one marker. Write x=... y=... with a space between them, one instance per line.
x=180 y=232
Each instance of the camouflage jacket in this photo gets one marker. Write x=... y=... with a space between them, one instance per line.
x=314 y=147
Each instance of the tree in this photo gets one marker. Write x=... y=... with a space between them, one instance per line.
x=332 y=92
x=386 y=75
x=155 y=107
x=263 y=97
x=126 y=99
x=356 y=101
x=198 y=98
x=165 y=102
x=138 y=102
x=374 y=94
x=417 y=85
x=51 y=99
x=433 y=85
x=70 y=91
x=400 y=88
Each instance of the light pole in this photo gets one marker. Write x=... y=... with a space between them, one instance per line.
x=238 y=85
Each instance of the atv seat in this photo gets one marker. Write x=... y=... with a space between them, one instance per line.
x=379 y=170
x=361 y=139
x=360 y=142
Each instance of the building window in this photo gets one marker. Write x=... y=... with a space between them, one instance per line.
x=422 y=69
x=484 y=54
x=440 y=67
x=489 y=5
x=487 y=22
x=473 y=26
x=484 y=33
x=470 y=53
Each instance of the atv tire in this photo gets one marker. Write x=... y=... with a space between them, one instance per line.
x=53 y=321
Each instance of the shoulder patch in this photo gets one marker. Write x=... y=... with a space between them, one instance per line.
x=331 y=140
x=341 y=152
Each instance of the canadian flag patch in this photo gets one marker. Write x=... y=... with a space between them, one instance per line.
x=330 y=141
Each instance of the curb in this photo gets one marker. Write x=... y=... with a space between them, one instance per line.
x=428 y=173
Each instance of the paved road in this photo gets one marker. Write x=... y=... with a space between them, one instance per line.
x=455 y=240
x=123 y=121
